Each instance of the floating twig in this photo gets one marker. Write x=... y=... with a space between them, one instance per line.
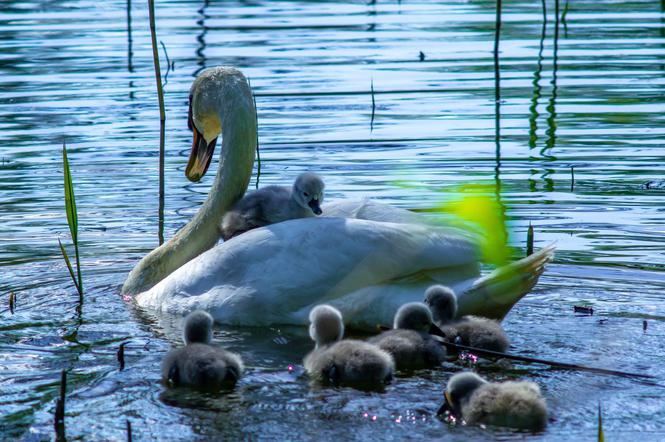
x=59 y=421
x=645 y=324
x=12 y=302
x=129 y=431
x=529 y=241
x=497 y=354
x=572 y=178
x=421 y=56
x=583 y=310
x=162 y=117
x=121 y=356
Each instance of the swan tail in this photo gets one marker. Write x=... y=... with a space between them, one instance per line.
x=493 y=295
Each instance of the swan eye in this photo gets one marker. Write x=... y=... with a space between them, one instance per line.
x=306 y=194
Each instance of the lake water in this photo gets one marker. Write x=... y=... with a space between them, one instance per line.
x=592 y=99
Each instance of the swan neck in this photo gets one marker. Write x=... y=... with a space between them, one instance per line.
x=231 y=181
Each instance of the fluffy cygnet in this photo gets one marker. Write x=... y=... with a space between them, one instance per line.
x=274 y=204
x=473 y=331
x=409 y=342
x=343 y=362
x=199 y=364
x=508 y=404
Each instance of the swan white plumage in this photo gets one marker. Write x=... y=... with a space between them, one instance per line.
x=364 y=258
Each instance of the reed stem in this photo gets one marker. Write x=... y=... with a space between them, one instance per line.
x=162 y=116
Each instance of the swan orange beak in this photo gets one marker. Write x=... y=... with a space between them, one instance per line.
x=201 y=154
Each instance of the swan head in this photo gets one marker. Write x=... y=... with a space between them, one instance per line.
x=413 y=316
x=308 y=191
x=198 y=328
x=326 y=325
x=459 y=389
x=216 y=96
x=442 y=302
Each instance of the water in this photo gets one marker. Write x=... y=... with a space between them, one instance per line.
x=81 y=70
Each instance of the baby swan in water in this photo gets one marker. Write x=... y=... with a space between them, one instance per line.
x=473 y=331
x=199 y=364
x=409 y=342
x=274 y=204
x=343 y=362
x=508 y=404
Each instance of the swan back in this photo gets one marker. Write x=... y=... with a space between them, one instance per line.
x=443 y=303
x=413 y=316
x=326 y=325
x=198 y=328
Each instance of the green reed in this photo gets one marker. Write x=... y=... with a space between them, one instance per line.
x=72 y=220
x=529 y=241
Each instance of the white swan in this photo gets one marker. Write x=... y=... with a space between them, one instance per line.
x=367 y=262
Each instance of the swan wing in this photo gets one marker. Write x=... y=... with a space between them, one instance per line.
x=270 y=274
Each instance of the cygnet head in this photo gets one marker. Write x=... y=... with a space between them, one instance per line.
x=461 y=386
x=442 y=302
x=308 y=191
x=198 y=328
x=326 y=325
x=413 y=316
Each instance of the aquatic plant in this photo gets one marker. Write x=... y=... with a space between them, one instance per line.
x=72 y=220
x=601 y=434
x=59 y=418
x=162 y=116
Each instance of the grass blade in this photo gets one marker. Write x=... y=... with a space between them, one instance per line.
x=72 y=220
x=69 y=265
x=70 y=200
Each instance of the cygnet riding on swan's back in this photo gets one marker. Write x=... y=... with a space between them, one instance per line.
x=506 y=404
x=471 y=330
x=343 y=362
x=409 y=342
x=199 y=364
x=367 y=262
x=274 y=204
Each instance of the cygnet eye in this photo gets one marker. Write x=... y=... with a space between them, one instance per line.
x=305 y=193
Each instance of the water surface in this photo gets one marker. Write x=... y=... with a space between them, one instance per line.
x=592 y=99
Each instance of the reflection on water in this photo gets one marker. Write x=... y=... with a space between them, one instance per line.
x=591 y=98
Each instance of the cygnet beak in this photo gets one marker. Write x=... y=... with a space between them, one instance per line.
x=314 y=205
x=231 y=375
x=436 y=331
x=446 y=406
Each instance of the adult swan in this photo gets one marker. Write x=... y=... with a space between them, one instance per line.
x=365 y=258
